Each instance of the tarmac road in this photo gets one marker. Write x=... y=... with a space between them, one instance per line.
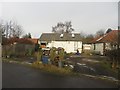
x=20 y=76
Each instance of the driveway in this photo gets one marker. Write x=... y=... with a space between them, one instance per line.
x=21 y=76
x=93 y=65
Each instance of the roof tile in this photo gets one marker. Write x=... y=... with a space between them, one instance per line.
x=56 y=37
x=111 y=37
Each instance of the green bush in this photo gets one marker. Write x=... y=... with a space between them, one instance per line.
x=113 y=54
x=86 y=52
x=29 y=52
x=61 y=54
x=114 y=57
x=52 y=54
x=37 y=47
x=95 y=52
x=39 y=55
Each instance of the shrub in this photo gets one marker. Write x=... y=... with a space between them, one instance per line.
x=29 y=52
x=95 y=52
x=114 y=57
x=39 y=55
x=37 y=47
x=61 y=54
x=52 y=53
x=113 y=53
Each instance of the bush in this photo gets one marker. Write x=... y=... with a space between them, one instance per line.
x=113 y=54
x=52 y=54
x=95 y=52
x=37 y=47
x=114 y=57
x=29 y=52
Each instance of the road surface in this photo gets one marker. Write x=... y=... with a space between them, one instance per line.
x=20 y=76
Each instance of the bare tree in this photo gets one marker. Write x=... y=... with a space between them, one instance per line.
x=109 y=30
x=2 y=28
x=100 y=32
x=63 y=27
x=27 y=35
x=11 y=29
x=88 y=38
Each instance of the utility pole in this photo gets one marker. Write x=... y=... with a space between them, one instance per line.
x=0 y=59
x=118 y=46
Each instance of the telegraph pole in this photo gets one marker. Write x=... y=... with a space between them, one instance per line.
x=118 y=25
x=118 y=44
x=0 y=58
x=118 y=38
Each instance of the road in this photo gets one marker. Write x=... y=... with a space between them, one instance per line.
x=21 y=76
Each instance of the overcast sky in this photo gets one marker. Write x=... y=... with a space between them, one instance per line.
x=39 y=17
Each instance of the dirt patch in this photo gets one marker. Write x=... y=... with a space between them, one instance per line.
x=90 y=60
x=93 y=65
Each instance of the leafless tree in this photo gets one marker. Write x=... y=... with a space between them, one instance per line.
x=109 y=30
x=63 y=27
x=2 y=28
x=27 y=35
x=100 y=32
x=11 y=29
x=88 y=38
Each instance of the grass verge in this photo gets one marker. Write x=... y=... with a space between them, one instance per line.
x=53 y=69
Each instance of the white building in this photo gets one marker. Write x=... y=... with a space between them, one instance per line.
x=69 y=41
x=87 y=46
x=109 y=41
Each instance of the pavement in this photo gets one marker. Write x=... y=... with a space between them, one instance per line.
x=20 y=76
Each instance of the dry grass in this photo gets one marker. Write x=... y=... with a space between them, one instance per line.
x=47 y=68
x=52 y=69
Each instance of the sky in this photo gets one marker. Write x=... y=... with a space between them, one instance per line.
x=39 y=17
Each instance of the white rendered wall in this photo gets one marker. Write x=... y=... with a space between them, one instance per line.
x=69 y=46
x=98 y=47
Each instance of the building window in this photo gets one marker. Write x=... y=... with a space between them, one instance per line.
x=43 y=45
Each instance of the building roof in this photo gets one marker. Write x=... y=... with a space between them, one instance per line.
x=33 y=40
x=60 y=37
x=111 y=37
x=21 y=40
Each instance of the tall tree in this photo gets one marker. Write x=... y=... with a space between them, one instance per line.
x=88 y=38
x=11 y=29
x=3 y=32
x=69 y=28
x=63 y=27
x=109 y=30
x=100 y=32
x=27 y=35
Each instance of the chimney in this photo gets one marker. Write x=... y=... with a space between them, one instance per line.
x=61 y=35
x=73 y=35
